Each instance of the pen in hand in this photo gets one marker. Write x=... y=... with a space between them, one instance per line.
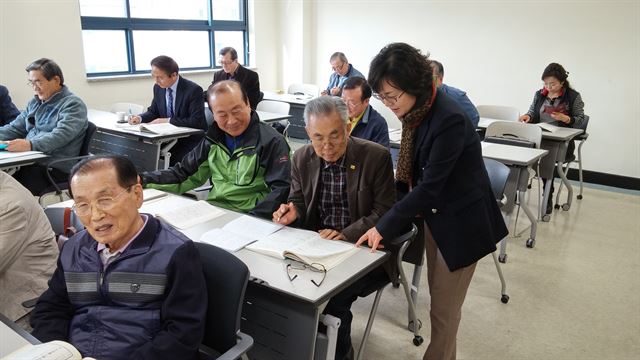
x=285 y=214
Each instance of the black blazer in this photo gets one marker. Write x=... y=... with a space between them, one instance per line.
x=249 y=80
x=452 y=190
x=189 y=112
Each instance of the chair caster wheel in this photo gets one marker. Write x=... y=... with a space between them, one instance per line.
x=546 y=217
x=579 y=197
x=418 y=340
x=504 y=298
x=531 y=243
x=566 y=207
x=556 y=206
x=411 y=328
x=502 y=258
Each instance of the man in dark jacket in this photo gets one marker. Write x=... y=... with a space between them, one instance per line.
x=129 y=286
x=366 y=122
x=232 y=70
x=340 y=186
x=177 y=101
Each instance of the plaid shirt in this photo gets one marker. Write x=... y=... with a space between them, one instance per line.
x=333 y=206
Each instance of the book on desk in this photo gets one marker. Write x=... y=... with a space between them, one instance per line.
x=53 y=350
x=155 y=129
x=305 y=246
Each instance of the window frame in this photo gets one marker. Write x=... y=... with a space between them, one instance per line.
x=129 y=25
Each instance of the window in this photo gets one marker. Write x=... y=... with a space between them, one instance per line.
x=122 y=36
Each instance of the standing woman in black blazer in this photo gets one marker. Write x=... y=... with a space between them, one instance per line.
x=441 y=183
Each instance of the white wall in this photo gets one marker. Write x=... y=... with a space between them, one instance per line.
x=496 y=51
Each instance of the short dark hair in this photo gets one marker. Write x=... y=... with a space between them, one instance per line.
x=437 y=66
x=224 y=87
x=126 y=172
x=404 y=67
x=166 y=64
x=230 y=50
x=355 y=82
x=339 y=55
x=48 y=68
x=557 y=71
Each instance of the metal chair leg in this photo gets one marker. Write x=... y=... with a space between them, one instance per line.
x=579 y=160
x=372 y=316
x=413 y=318
x=503 y=291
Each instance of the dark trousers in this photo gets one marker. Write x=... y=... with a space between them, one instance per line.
x=34 y=178
x=340 y=306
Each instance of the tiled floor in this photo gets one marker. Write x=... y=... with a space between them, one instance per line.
x=576 y=295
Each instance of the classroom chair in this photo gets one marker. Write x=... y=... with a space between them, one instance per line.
x=525 y=135
x=498 y=175
x=573 y=159
x=226 y=277
x=57 y=188
x=278 y=107
x=64 y=223
x=498 y=112
x=402 y=242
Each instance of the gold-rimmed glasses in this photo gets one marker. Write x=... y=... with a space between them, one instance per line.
x=104 y=203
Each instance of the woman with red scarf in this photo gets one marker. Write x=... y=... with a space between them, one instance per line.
x=442 y=186
x=558 y=104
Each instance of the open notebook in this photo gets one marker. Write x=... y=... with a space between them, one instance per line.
x=53 y=350
x=304 y=246
x=240 y=232
x=180 y=212
x=157 y=129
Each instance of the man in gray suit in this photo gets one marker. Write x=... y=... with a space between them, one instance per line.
x=340 y=186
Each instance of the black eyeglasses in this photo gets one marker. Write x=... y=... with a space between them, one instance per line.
x=292 y=268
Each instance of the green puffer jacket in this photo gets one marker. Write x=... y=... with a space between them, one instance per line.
x=254 y=179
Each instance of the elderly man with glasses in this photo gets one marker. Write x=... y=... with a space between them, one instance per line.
x=340 y=186
x=366 y=122
x=232 y=70
x=54 y=122
x=342 y=70
x=246 y=160
x=129 y=287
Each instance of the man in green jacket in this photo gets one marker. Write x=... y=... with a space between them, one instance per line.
x=246 y=160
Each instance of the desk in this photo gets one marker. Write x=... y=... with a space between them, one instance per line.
x=13 y=337
x=281 y=315
x=143 y=149
x=556 y=143
x=296 y=110
x=519 y=160
x=10 y=162
x=267 y=116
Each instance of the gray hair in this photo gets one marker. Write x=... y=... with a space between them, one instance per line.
x=339 y=55
x=48 y=68
x=326 y=105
